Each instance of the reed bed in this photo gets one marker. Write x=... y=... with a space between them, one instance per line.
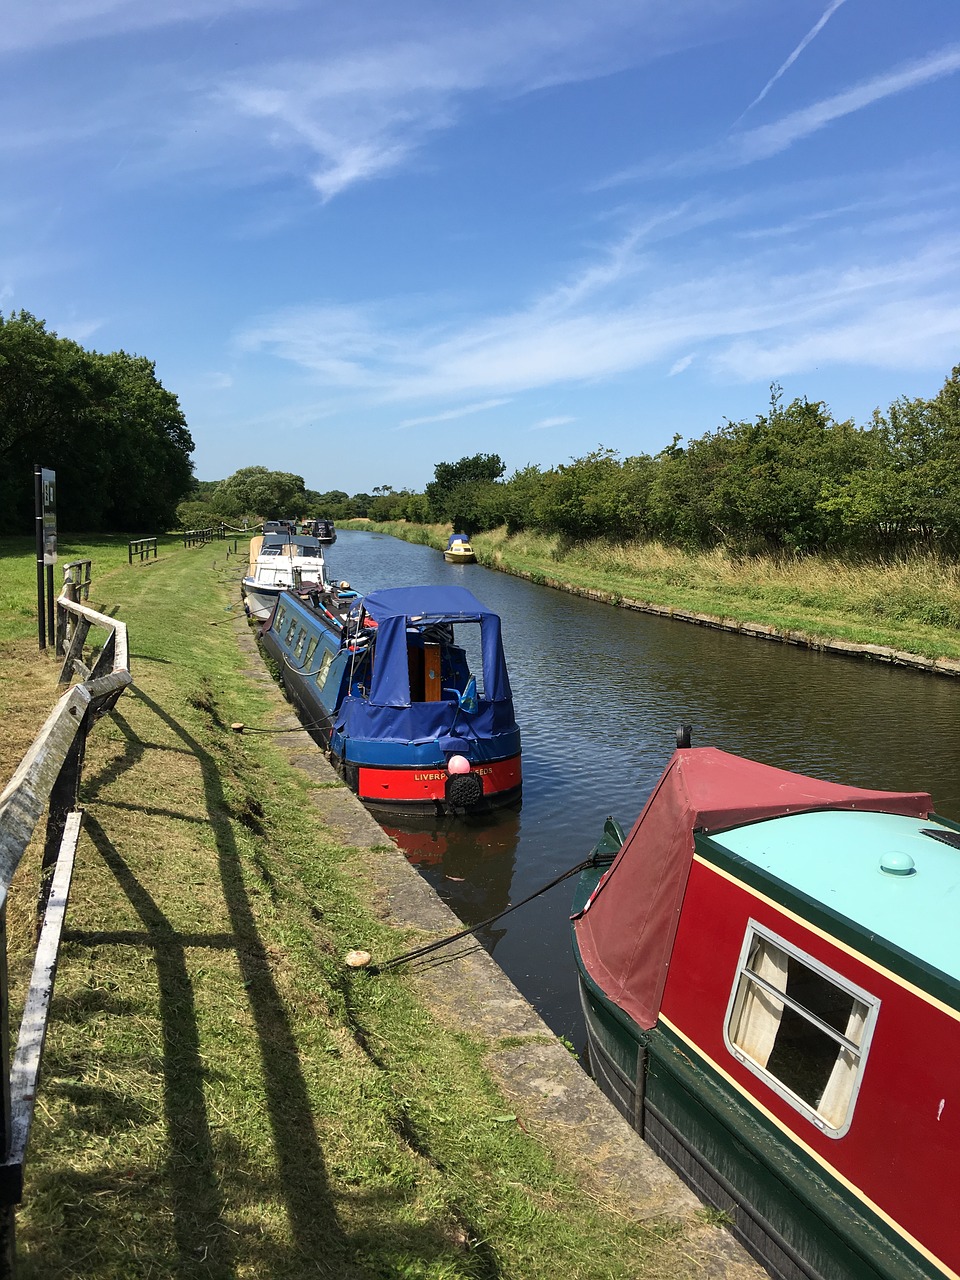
x=907 y=602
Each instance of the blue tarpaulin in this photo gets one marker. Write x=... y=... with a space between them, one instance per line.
x=396 y=608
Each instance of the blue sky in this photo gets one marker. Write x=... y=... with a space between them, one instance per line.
x=359 y=239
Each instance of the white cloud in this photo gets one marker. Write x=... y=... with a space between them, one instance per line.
x=752 y=145
x=450 y=415
x=30 y=26
x=894 y=336
x=545 y=423
x=741 y=318
x=77 y=329
x=768 y=140
x=365 y=91
x=678 y=366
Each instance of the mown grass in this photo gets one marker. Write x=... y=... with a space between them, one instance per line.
x=221 y=1097
x=911 y=603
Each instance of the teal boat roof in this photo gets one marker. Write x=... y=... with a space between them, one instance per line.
x=875 y=869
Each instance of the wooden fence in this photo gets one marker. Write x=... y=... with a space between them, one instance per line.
x=142 y=547
x=197 y=537
x=48 y=778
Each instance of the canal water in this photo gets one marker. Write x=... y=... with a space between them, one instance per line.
x=599 y=693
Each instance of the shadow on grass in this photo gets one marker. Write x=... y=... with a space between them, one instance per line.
x=204 y=1243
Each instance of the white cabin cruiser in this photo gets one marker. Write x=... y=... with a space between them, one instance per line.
x=279 y=561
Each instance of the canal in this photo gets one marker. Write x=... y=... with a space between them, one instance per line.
x=599 y=692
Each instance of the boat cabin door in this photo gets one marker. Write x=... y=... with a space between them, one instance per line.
x=423 y=666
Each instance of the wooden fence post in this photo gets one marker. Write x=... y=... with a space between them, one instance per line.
x=8 y=1196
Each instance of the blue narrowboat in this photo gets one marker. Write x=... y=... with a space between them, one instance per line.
x=408 y=693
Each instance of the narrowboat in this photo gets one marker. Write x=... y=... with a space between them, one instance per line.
x=458 y=550
x=769 y=966
x=409 y=695
x=278 y=560
x=325 y=531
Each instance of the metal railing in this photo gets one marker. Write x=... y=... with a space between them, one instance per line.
x=48 y=778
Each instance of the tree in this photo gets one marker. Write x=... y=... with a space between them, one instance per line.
x=905 y=493
x=326 y=504
x=518 y=498
x=449 y=493
x=104 y=423
x=584 y=498
x=260 y=494
x=151 y=446
x=764 y=484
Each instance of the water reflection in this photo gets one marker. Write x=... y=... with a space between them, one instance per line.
x=469 y=861
x=598 y=693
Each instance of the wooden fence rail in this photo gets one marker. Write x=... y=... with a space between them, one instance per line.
x=142 y=547
x=48 y=778
x=197 y=537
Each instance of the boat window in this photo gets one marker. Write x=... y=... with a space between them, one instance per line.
x=281 y=615
x=290 y=630
x=298 y=647
x=801 y=1027
x=324 y=667
x=311 y=650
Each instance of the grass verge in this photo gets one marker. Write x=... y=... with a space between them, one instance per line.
x=911 y=603
x=221 y=1097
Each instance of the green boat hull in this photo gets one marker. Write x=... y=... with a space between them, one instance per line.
x=777 y=1202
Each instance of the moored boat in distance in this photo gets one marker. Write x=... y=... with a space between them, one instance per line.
x=391 y=696
x=769 y=969
x=458 y=550
x=325 y=531
x=280 y=560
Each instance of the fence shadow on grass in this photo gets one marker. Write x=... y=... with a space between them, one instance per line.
x=301 y=1178
x=197 y=1203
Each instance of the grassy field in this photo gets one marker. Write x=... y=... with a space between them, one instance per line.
x=911 y=604
x=221 y=1097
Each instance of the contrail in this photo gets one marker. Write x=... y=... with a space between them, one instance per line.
x=814 y=31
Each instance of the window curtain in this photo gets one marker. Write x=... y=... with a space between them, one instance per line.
x=760 y=1012
x=835 y=1098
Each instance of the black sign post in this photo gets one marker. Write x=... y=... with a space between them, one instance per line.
x=45 y=497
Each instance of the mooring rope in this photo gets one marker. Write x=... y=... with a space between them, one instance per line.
x=419 y=952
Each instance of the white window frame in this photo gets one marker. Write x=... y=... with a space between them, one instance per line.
x=755 y=931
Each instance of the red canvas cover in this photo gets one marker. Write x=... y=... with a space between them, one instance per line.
x=625 y=933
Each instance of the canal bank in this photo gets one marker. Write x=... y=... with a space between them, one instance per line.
x=548 y=1094
x=817 y=605
x=754 y=630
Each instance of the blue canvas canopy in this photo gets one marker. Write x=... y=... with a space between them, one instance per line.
x=457 y=537
x=396 y=608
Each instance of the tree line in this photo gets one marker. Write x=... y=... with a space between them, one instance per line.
x=253 y=494
x=116 y=438
x=791 y=481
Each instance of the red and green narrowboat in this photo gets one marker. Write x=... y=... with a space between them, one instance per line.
x=770 y=972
